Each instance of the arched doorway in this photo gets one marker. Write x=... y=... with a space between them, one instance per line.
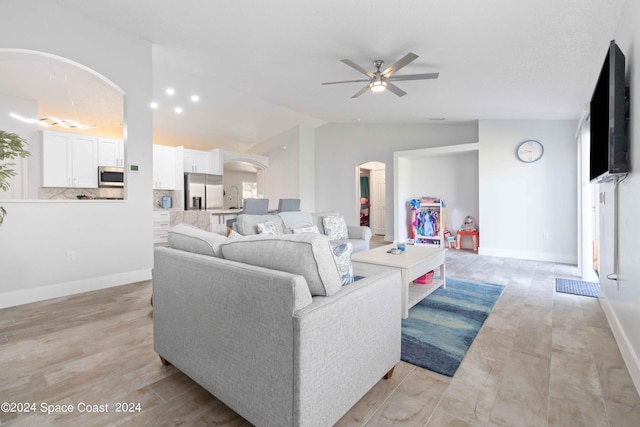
x=371 y=191
x=244 y=177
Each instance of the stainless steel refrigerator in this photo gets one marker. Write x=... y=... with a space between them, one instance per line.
x=203 y=191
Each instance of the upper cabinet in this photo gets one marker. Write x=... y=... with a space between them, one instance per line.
x=217 y=161
x=69 y=160
x=203 y=161
x=197 y=161
x=110 y=152
x=165 y=168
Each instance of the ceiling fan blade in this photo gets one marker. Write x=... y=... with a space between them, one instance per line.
x=346 y=81
x=356 y=67
x=395 y=89
x=361 y=91
x=414 y=77
x=409 y=57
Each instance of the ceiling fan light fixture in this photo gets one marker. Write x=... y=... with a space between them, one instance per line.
x=53 y=121
x=378 y=85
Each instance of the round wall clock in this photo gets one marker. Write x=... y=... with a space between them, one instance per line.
x=530 y=151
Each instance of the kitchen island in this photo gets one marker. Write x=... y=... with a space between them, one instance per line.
x=214 y=220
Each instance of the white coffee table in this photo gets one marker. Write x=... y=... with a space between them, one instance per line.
x=413 y=263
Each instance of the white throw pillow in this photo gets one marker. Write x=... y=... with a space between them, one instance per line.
x=309 y=229
x=335 y=227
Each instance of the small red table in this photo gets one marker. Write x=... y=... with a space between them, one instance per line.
x=475 y=236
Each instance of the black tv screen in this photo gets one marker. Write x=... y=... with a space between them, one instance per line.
x=608 y=108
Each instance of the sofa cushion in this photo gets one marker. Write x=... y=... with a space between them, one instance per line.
x=247 y=225
x=335 y=227
x=342 y=252
x=306 y=254
x=192 y=239
x=358 y=245
x=295 y=220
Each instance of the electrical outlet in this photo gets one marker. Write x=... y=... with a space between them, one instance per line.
x=71 y=256
x=545 y=235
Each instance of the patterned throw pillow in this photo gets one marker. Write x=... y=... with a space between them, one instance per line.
x=268 y=227
x=309 y=229
x=335 y=227
x=342 y=255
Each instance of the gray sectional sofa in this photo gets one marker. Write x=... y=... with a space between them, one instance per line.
x=287 y=222
x=263 y=323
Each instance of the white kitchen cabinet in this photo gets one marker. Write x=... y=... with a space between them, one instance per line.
x=217 y=161
x=69 y=160
x=161 y=224
x=164 y=168
x=197 y=161
x=110 y=152
x=203 y=161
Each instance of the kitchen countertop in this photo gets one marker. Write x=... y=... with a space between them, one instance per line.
x=223 y=211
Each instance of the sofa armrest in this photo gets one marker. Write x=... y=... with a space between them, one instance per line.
x=359 y=232
x=226 y=324
x=346 y=342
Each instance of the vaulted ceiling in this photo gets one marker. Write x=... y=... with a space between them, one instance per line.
x=258 y=65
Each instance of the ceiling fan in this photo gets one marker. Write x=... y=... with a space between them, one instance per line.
x=378 y=80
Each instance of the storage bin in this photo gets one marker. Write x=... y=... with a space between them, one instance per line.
x=425 y=279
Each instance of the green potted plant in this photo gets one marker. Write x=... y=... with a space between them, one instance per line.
x=11 y=147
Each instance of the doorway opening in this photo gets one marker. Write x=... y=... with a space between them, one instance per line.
x=371 y=196
x=242 y=180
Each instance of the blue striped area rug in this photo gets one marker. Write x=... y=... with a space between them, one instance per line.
x=578 y=287
x=441 y=327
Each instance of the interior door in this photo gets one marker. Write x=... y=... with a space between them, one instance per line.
x=378 y=201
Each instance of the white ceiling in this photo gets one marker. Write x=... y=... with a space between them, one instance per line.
x=258 y=65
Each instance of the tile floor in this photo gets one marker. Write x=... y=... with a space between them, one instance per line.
x=541 y=359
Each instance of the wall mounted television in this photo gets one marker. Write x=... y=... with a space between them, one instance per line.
x=609 y=108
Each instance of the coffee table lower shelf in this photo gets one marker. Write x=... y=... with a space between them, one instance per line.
x=418 y=292
x=413 y=263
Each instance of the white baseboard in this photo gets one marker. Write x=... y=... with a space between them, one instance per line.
x=626 y=349
x=530 y=255
x=26 y=296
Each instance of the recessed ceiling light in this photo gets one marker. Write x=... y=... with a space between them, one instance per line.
x=195 y=98
x=178 y=110
x=435 y=118
x=170 y=91
x=154 y=105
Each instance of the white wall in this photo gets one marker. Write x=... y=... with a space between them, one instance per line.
x=112 y=240
x=528 y=210
x=291 y=173
x=340 y=148
x=621 y=299
x=454 y=178
x=282 y=179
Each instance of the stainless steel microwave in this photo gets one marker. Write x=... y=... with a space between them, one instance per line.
x=110 y=176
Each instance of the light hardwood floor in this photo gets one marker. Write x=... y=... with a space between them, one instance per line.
x=541 y=359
